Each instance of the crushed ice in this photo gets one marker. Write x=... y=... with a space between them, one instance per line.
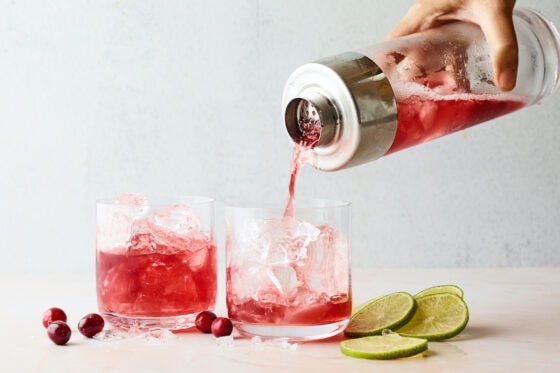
x=157 y=335
x=259 y=344
x=109 y=335
x=226 y=342
x=151 y=336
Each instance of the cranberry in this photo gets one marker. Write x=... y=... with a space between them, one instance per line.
x=91 y=324
x=203 y=321
x=59 y=332
x=53 y=314
x=221 y=327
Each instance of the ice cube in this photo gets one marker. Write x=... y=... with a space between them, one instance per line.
x=200 y=251
x=305 y=230
x=255 y=270
x=328 y=261
x=130 y=206
x=118 y=289
x=142 y=243
x=168 y=231
x=113 y=226
x=155 y=336
x=109 y=335
x=146 y=237
x=226 y=342
x=150 y=237
x=283 y=277
x=259 y=344
x=178 y=218
x=281 y=243
x=270 y=252
x=131 y=199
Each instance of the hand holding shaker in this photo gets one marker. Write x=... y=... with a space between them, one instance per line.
x=410 y=90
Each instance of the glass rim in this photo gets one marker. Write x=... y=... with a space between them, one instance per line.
x=299 y=204
x=158 y=200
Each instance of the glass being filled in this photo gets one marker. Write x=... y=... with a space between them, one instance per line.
x=288 y=267
x=289 y=277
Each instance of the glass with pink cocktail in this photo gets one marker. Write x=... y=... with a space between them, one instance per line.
x=156 y=261
x=288 y=271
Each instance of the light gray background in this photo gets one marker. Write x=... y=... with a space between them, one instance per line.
x=183 y=97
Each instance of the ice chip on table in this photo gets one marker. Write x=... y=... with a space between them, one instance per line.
x=110 y=335
x=226 y=342
x=272 y=344
x=156 y=335
x=149 y=336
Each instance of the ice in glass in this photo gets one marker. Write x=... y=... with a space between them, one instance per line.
x=289 y=275
x=156 y=262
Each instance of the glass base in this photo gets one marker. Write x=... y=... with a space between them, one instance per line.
x=172 y=323
x=294 y=333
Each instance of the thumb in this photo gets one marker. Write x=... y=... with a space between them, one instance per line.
x=502 y=43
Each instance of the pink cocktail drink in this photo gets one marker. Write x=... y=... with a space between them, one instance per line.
x=156 y=267
x=322 y=310
x=421 y=119
x=157 y=284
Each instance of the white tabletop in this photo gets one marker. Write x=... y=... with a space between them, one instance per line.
x=514 y=327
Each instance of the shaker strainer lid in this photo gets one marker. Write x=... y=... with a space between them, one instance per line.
x=311 y=121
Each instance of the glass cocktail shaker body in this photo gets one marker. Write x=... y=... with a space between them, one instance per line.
x=406 y=91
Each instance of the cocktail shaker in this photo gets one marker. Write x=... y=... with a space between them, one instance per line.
x=409 y=90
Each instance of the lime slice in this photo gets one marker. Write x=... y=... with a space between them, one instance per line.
x=453 y=289
x=437 y=317
x=383 y=347
x=390 y=311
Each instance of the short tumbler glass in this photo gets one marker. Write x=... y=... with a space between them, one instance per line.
x=156 y=261
x=288 y=276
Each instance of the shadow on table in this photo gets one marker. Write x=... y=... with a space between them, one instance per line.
x=477 y=332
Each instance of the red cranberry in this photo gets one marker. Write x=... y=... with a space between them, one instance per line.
x=203 y=321
x=221 y=327
x=59 y=332
x=91 y=324
x=53 y=314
